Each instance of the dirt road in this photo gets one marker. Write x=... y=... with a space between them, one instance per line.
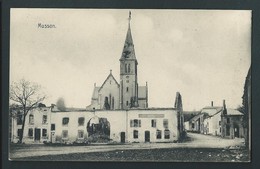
x=196 y=141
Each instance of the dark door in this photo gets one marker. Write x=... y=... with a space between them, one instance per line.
x=122 y=137
x=147 y=136
x=37 y=134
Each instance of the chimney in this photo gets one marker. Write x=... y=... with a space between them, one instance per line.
x=224 y=104
x=212 y=104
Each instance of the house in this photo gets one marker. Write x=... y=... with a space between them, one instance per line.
x=125 y=126
x=36 y=128
x=222 y=121
x=232 y=124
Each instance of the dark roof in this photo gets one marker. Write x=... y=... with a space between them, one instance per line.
x=128 y=50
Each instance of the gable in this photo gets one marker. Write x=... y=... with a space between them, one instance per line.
x=110 y=80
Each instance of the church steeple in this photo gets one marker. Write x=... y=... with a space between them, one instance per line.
x=128 y=50
x=128 y=72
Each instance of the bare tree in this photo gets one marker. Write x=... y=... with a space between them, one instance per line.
x=28 y=95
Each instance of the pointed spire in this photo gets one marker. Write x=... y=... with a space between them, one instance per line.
x=128 y=51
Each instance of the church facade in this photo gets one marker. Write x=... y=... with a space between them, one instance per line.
x=126 y=94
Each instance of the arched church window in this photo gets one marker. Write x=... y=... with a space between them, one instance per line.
x=125 y=68
x=128 y=68
x=126 y=89
x=126 y=103
x=113 y=102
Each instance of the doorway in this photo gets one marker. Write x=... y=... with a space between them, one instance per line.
x=122 y=135
x=236 y=131
x=37 y=135
x=147 y=136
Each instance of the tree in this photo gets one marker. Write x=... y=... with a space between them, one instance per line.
x=61 y=104
x=246 y=106
x=28 y=95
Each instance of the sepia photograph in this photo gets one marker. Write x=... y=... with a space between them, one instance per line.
x=130 y=85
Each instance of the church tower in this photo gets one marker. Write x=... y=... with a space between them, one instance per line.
x=128 y=73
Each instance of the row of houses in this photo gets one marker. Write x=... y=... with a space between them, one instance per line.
x=48 y=124
x=218 y=121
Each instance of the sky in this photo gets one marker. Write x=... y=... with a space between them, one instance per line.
x=203 y=54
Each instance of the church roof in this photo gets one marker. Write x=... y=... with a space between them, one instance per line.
x=110 y=75
x=128 y=50
x=142 y=91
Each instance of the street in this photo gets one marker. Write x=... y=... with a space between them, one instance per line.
x=195 y=141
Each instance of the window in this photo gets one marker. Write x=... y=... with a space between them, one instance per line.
x=166 y=134
x=153 y=123
x=31 y=119
x=65 y=134
x=219 y=123
x=126 y=89
x=192 y=125
x=135 y=133
x=126 y=103
x=19 y=119
x=125 y=68
x=113 y=102
x=81 y=121
x=52 y=127
x=30 y=132
x=44 y=119
x=228 y=120
x=19 y=132
x=220 y=129
x=80 y=134
x=65 y=121
x=165 y=123
x=44 y=132
x=158 y=134
x=128 y=68
x=135 y=123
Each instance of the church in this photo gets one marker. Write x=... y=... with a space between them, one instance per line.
x=118 y=113
x=126 y=94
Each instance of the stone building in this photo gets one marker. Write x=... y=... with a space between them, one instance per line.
x=126 y=94
x=36 y=128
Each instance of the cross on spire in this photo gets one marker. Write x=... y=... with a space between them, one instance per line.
x=129 y=18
